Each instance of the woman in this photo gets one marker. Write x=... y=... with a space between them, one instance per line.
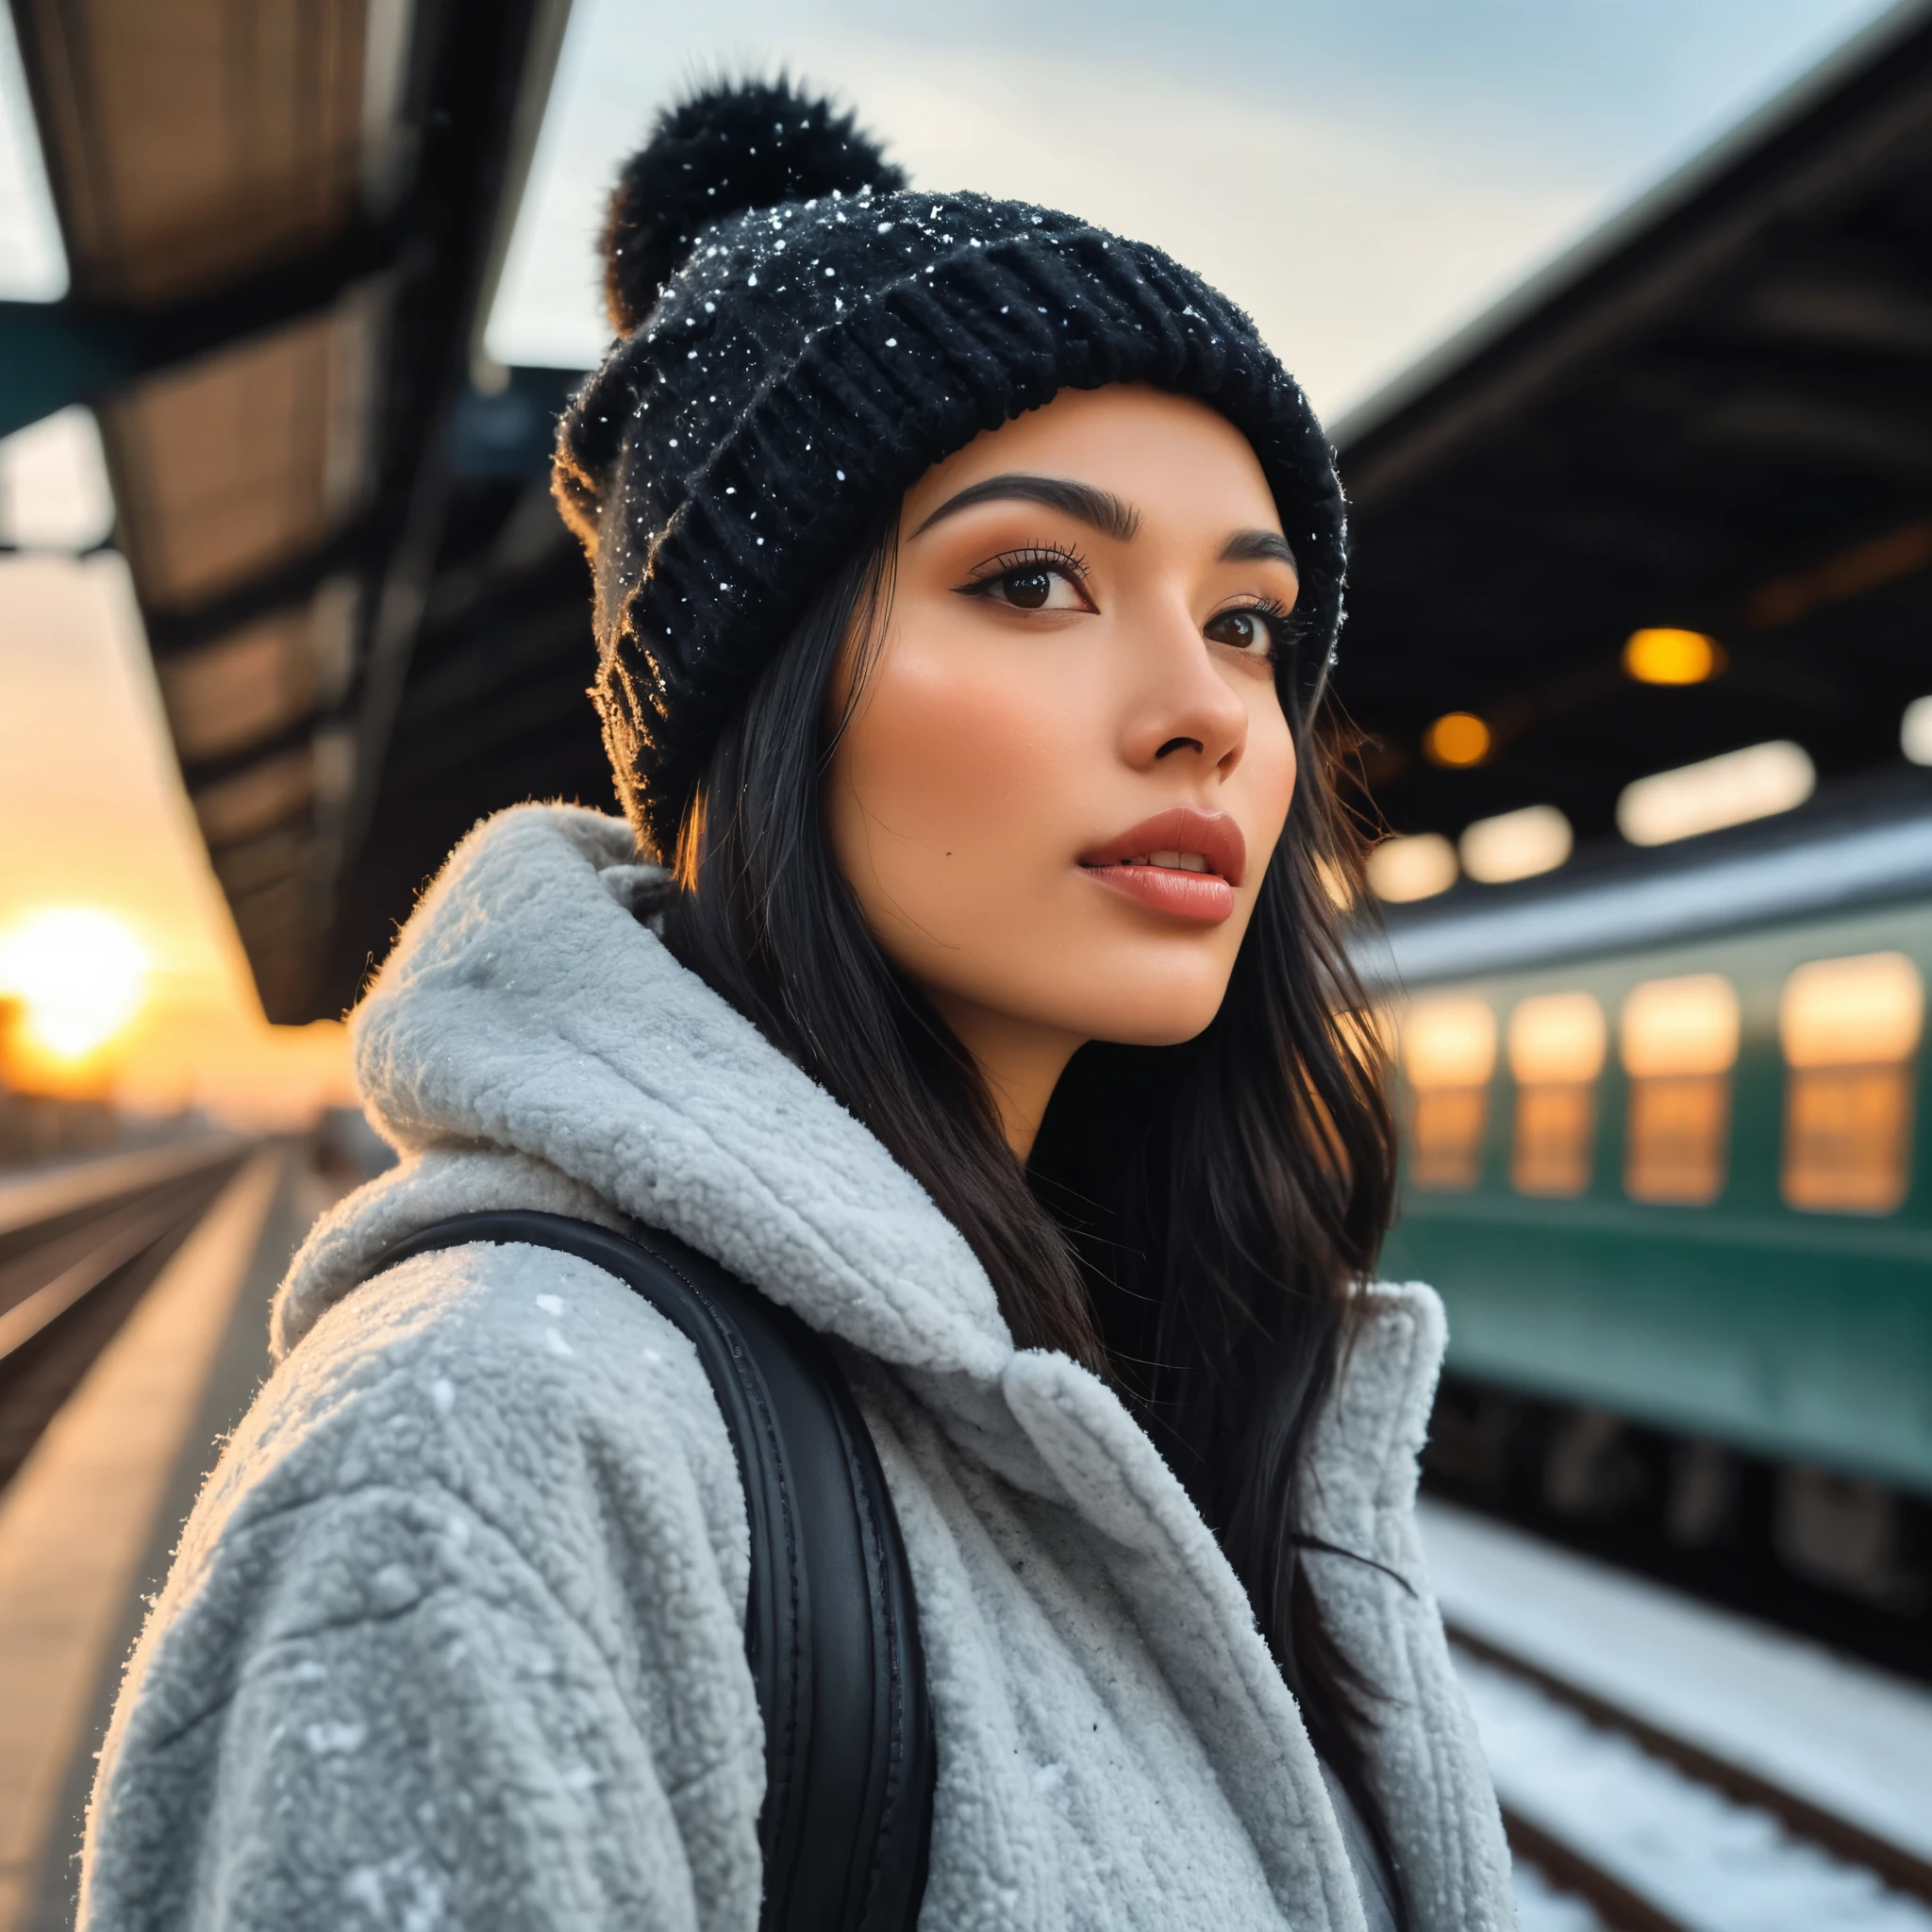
x=966 y=583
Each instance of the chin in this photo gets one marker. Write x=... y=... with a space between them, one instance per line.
x=1163 y=1029
x=1127 y=1035
x=1142 y=1006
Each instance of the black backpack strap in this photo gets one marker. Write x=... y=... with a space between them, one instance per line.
x=831 y=1628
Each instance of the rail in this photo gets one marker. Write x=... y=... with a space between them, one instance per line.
x=120 y=1281
x=78 y=1247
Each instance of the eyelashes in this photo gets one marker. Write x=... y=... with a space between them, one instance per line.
x=1039 y=577
x=1275 y=618
x=1043 y=557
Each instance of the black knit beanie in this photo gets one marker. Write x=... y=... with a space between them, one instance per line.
x=801 y=338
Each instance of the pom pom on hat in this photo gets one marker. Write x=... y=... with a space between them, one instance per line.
x=738 y=145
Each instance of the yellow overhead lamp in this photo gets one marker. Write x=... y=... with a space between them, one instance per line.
x=1663 y=655
x=1403 y=870
x=1457 y=738
x=1516 y=844
x=1730 y=789
x=1915 y=731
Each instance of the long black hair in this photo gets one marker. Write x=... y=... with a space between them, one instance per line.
x=1195 y=1220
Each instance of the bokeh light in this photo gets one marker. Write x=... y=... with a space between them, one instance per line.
x=1915 y=731
x=1403 y=870
x=1457 y=738
x=80 y=975
x=1517 y=845
x=1664 y=656
x=1732 y=790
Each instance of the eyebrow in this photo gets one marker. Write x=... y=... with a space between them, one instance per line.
x=1258 y=546
x=1104 y=511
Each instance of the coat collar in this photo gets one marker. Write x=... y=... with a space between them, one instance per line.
x=527 y=1008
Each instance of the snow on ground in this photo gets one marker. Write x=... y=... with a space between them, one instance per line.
x=1851 y=1739
x=1541 y=1908
x=1714 y=1865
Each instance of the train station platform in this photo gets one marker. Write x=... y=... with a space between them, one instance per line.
x=90 y=1517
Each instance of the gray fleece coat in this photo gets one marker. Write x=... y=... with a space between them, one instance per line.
x=455 y=1635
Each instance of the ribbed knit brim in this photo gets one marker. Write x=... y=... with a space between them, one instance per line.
x=806 y=367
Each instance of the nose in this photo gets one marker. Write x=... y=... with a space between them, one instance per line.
x=1179 y=706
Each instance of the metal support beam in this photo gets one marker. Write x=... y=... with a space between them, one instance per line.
x=55 y=353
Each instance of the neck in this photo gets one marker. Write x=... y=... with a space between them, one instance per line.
x=1020 y=1061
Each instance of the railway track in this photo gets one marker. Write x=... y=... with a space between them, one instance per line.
x=78 y=1248
x=1724 y=1846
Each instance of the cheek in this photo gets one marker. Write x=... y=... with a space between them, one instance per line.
x=940 y=781
x=1266 y=781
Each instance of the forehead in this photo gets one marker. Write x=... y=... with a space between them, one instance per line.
x=1171 y=458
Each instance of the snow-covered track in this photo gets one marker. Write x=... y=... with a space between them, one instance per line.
x=1617 y=1909
x=1663 y=1763
x=1566 y=1858
x=1900 y=1869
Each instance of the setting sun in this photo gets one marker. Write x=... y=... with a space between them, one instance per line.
x=80 y=975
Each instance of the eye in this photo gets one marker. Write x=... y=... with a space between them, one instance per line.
x=1039 y=577
x=1033 y=587
x=1244 y=629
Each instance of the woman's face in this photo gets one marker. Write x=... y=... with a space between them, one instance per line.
x=1068 y=768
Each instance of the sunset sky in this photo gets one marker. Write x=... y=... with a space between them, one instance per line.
x=1364 y=176
x=94 y=815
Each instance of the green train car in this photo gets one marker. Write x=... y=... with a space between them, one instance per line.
x=1668 y=1158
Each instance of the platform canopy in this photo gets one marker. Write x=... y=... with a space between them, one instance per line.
x=1715 y=415
x=280 y=222
x=370 y=628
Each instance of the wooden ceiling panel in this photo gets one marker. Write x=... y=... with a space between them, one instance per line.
x=258 y=800
x=258 y=863
x=273 y=921
x=250 y=686
x=237 y=463
x=237 y=134
x=261 y=679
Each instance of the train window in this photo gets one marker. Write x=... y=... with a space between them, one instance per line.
x=1679 y=1040
x=1556 y=1044
x=1448 y=1054
x=1850 y=1030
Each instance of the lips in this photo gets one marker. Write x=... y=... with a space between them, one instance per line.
x=1183 y=861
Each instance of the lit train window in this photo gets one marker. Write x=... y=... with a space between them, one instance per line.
x=1679 y=1040
x=1849 y=1031
x=1557 y=1045
x=1448 y=1053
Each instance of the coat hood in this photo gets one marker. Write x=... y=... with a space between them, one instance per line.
x=529 y=1011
